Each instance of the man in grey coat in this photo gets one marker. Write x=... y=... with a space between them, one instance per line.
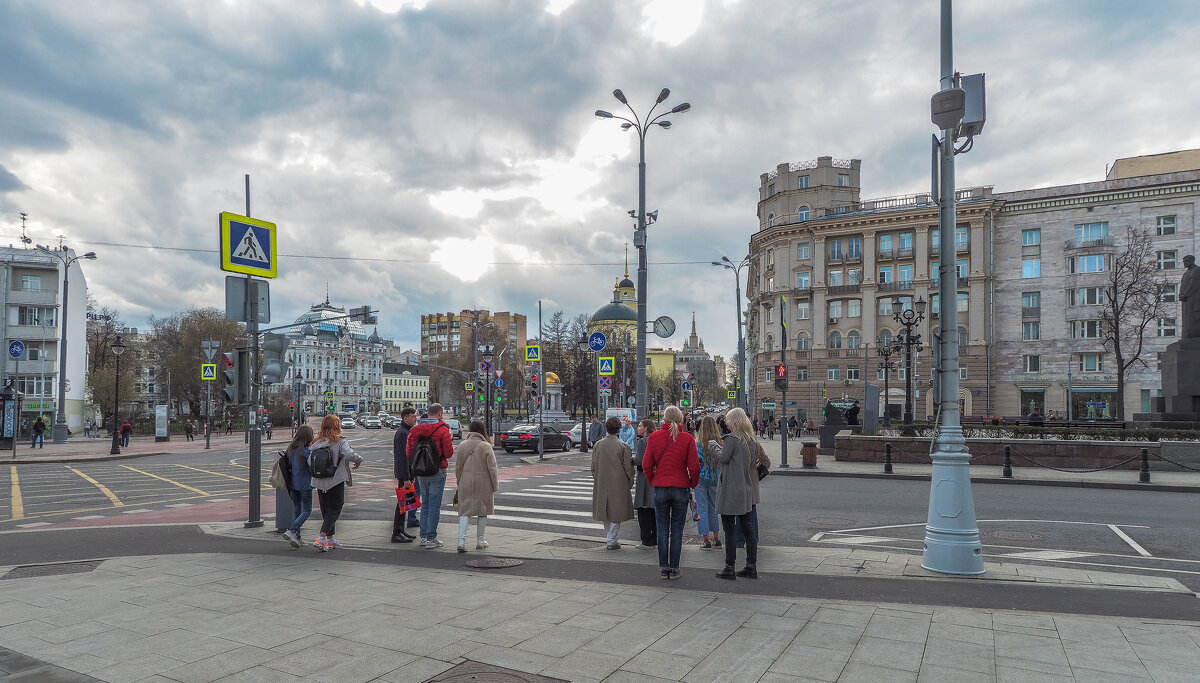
x=595 y=431
x=612 y=478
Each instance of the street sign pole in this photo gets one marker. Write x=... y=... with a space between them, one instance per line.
x=255 y=511
x=210 y=349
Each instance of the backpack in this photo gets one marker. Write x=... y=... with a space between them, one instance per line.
x=322 y=462
x=425 y=458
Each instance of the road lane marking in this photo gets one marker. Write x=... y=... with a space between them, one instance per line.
x=1132 y=543
x=988 y=521
x=544 y=495
x=90 y=517
x=1048 y=555
x=103 y=489
x=18 y=506
x=219 y=474
x=33 y=524
x=543 y=511
x=169 y=481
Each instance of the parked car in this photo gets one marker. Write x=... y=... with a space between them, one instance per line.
x=370 y=422
x=525 y=437
x=348 y=423
x=455 y=428
x=576 y=434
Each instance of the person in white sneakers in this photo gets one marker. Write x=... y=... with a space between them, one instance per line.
x=331 y=491
x=478 y=481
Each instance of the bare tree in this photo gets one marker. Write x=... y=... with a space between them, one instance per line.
x=1133 y=305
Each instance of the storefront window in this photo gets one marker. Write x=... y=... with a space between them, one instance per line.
x=1093 y=404
x=1033 y=399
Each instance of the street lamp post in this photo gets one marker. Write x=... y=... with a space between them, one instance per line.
x=737 y=282
x=583 y=425
x=886 y=365
x=642 y=126
x=488 y=353
x=908 y=318
x=118 y=347
x=60 y=420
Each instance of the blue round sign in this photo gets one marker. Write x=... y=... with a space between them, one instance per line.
x=16 y=349
x=597 y=341
x=499 y=383
x=687 y=386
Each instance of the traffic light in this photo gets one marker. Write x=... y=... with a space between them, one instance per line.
x=308 y=406
x=274 y=367
x=229 y=378
x=533 y=383
x=781 y=377
x=687 y=398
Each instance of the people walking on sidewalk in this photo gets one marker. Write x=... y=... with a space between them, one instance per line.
x=673 y=469
x=735 y=493
x=408 y=418
x=627 y=433
x=708 y=446
x=39 y=433
x=299 y=483
x=432 y=485
x=331 y=491
x=478 y=480
x=126 y=432
x=187 y=429
x=87 y=429
x=643 y=492
x=612 y=478
x=595 y=431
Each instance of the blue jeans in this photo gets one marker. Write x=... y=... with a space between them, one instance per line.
x=301 y=508
x=414 y=516
x=706 y=505
x=432 y=489
x=38 y=438
x=670 y=511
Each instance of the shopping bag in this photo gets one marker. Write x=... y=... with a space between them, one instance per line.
x=406 y=498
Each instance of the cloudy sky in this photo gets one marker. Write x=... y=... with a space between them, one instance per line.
x=434 y=155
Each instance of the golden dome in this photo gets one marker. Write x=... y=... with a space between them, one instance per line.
x=552 y=378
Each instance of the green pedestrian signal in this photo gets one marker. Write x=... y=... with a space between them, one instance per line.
x=499 y=399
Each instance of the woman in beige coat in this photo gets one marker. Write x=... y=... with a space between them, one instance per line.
x=612 y=478
x=475 y=470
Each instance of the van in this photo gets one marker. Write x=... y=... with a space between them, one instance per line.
x=622 y=413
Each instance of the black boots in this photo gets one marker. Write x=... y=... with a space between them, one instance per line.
x=727 y=573
x=749 y=571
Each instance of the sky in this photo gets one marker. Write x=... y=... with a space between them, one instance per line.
x=428 y=156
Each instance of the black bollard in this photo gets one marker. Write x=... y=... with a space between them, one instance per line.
x=1008 y=462
x=887 y=458
x=1144 y=475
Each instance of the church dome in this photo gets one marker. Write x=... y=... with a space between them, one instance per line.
x=626 y=283
x=552 y=378
x=615 y=311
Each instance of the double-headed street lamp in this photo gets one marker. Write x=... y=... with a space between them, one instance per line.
x=63 y=254
x=886 y=366
x=118 y=347
x=642 y=125
x=737 y=281
x=908 y=319
x=584 y=347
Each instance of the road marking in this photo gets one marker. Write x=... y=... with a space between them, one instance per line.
x=558 y=488
x=857 y=540
x=219 y=474
x=545 y=495
x=544 y=511
x=1048 y=555
x=134 y=512
x=103 y=489
x=988 y=521
x=816 y=537
x=169 y=481
x=33 y=524
x=181 y=505
x=18 y=506
x=90 y=517
x=545 y=522
x=1132 y=543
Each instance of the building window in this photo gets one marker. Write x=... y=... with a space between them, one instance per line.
x=802 y=310
x=835 y=249
x=1166 y=260
x=962 y=336
x=843 y=180
x=852 y=372
x=853 y=339
x=960 y=267
x=1169 y=293
x=1031 y=302
x=885 y=244
x=961 y=238
x=770 y=315
x=835 y=309
x=771 y=284
x=1091 y=263
x=906 y=241
x=835 y=340
x=802 y=373
x=1031 y=238
x=835 y=278
x=802 y=214
x=1091 y=362
x=771 y=190
x=885 y=306
x=803 y=342
x=901 y=372
x=801 y=182
x=1031 y=330
x=1088 y=296
x=770 y=258
x=962 y=372
x=1031 y=400
x=1031 y=267
x=885 y=337
x=854 y=247
x=833 y=373
x=854 y=308
x=963 y=302
x=1166 y=327
x=1085 y=329
x=935 y=303
x=885 y=274
x=906 y=274
x=770 y=343
x=880 y=373
x=1033 y=363
x=1087 y=232
x=854 y=276
x=1164 y=225
x=803 y=250
x=804 y=280
x=31 y=283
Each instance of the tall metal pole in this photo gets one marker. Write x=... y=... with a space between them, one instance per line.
x=741 y=369
x=952 y=544
x=639 y=241
x=783 y=463
x=255 y=506
x=116 y=428
x=60 y=422
x=208 y=417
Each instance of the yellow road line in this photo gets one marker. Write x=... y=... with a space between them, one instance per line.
x=103 y=489
x=169 y=481
x=18 y=506
x=219 y=474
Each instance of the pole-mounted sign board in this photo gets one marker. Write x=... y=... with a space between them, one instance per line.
x=608 y=365
x=533 y=353
x=248 y=246
x=208 y=371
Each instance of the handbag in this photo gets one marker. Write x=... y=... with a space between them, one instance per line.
x=407 y=499
x=763 y=471
x=454 y=503
x=695 y=509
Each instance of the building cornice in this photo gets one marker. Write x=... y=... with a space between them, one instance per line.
x=1100 y=197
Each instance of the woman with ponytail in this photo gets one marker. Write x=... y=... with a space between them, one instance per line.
x=672 y=467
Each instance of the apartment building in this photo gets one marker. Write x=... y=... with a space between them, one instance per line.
x=448 y=332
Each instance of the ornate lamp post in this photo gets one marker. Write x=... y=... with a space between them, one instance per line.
x=118 y=347
x=60 y=420
x=583 y=425
x=908 y=318
x=886 y=365
x=642 y=126
x=737 y=282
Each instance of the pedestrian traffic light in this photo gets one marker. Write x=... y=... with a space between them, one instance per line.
x=274 y=367
x=781 y=377
x=229 y=377
x=533 y=382
x=687 y=398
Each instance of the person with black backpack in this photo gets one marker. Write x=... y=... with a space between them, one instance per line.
x=330 y=460
x=429 y=451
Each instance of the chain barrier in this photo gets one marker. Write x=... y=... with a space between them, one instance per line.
x=893 y=454
x=1075 y=471
x=1162 y=457
x=920 y=459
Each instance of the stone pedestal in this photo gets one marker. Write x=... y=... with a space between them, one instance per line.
x=1181 y=378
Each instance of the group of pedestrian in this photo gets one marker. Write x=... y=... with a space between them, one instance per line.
x=668 y=468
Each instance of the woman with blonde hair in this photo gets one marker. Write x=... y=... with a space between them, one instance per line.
x=708 y=447
x=331 y=491
x=739 y=457
x=672 y=467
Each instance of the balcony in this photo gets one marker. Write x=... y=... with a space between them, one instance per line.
x=896 y=286
x=836 y=290
x=962 y=247
x=31 y=367
x=885 y=254
x=962 y=283
x=1106 y=241
x=835 y=258
x=856 y=257
x=904 y=253
x=33 y=297
x=34 y=333
x=802 y=293
x=1031 y=312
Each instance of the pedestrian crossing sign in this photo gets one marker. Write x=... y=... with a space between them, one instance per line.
x=731 y=395
x=469 y=386
x=608 y=366
x=248 y=246
x=208 y=371
x=533 y=353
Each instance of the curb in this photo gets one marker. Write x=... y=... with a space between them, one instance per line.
x=1131 y=486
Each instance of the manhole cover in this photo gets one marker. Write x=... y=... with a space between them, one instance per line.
x=831 y=521
x=574 y=542
x=1010 y=535
x=494 y=562
x=475 y=671
x=30 y=571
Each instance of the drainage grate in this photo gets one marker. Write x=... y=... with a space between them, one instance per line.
x=494 y=562
x=55 y=569
x=1011 y=535
x=476 y=671
x=574 y=542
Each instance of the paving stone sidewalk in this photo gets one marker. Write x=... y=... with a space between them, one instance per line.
x=301 y=616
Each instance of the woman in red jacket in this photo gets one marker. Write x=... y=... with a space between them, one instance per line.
x=673 y=469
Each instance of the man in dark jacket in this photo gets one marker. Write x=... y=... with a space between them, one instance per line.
x=408 y=417
x=595 y=431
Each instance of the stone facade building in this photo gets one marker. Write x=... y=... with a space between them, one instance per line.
x=330 y=353
x=444 y=332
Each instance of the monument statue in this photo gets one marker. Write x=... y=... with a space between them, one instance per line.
x=1189 y=296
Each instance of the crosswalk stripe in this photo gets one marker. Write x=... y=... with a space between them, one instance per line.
x=559 y=487
x=537 y=511
x=548 y=522
x=546 y=495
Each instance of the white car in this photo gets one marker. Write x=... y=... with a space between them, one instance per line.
x=576 y=433
x=370 y=422
x=348 y=423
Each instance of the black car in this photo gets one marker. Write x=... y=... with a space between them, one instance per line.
x=525 y=437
